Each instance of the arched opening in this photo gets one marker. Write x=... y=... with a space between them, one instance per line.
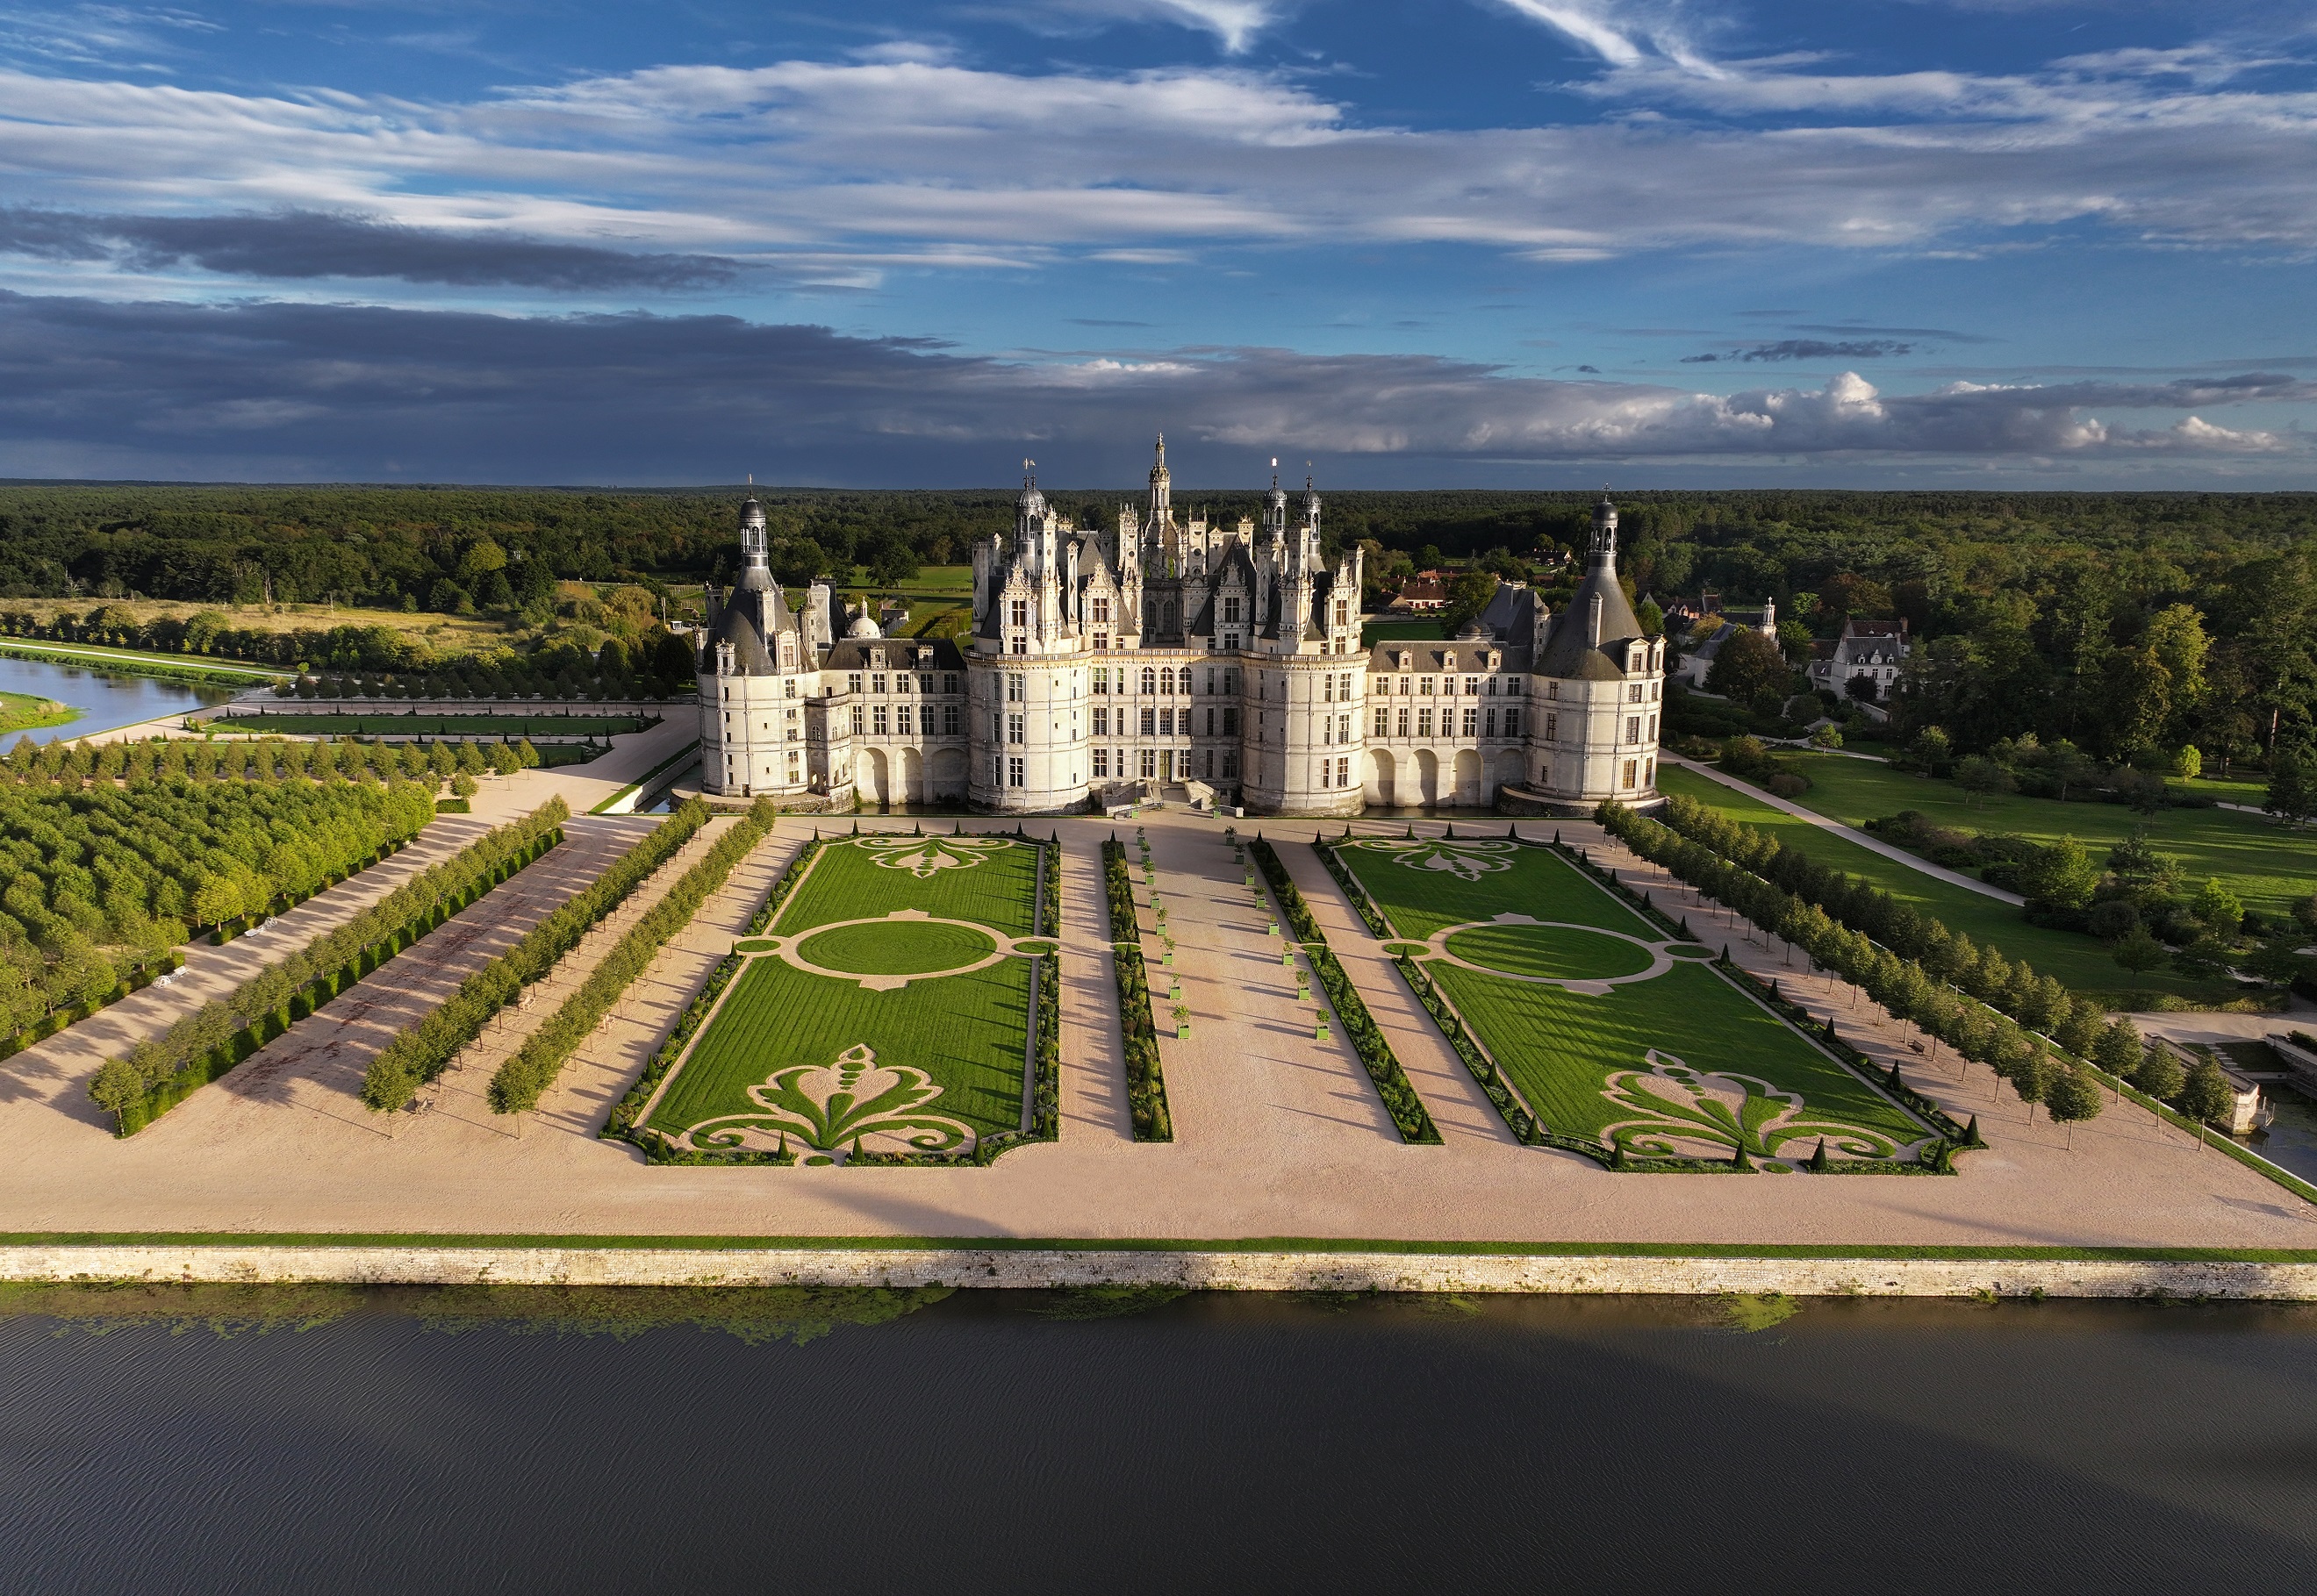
x=1468 y=779
x=1427 y=777
x=948 y=779
x=1380 y=778
x=913 y=776
x=870 y=779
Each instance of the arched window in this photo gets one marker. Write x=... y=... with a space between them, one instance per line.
x=1186 y=679
x=1150 y=680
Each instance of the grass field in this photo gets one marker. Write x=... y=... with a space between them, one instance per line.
x=1680 y=1062
x=25 y=712
x=989 y=881
x=965 y=1032
x=432 y=725
x=2079 y=962
x=2267 y=865
x=821 y=1060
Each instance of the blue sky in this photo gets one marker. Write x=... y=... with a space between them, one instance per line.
x=1903 y=243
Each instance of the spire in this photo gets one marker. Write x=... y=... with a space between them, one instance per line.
x=1162 y=507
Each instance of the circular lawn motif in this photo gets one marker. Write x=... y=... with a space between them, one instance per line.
x=1689 y=949
x=896 y=947
x=1551 y=952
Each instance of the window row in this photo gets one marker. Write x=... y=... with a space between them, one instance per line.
x=1400 y=721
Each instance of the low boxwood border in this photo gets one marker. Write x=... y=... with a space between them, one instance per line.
x=1146 y=1082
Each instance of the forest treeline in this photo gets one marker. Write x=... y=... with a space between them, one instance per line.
x=2127 y=622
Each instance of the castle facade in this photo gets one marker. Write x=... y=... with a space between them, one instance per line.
x=1105 y=665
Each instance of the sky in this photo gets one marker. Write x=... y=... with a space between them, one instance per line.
x=1908 y=244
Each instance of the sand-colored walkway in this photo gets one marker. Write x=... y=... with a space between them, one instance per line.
x=1278 y=1134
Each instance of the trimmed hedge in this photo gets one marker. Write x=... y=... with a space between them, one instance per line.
x=524 y=1078
x=155 y=1076
x=421 y=1053
x=1409 y=1115
x=1146 y=1085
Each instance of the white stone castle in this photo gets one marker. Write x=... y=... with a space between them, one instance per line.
x=1223 y=660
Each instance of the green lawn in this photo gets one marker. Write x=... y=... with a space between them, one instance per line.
x=1429 y=884
x=1585 y=1062
x=1556 y=952
x=2267 y=865
x=2079 y=962
x=988 y=880
x=433 y=726
x=823 y=1060
x=889 y=948
x=965 y=1032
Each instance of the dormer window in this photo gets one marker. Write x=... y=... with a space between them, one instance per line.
x=1402 y=660
x=1496 y=660
x=1448 y=661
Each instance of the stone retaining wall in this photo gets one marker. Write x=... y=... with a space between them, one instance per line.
x=1200 y=1271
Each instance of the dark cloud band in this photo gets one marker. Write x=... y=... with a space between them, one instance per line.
x=304 y=244
x=350 y=391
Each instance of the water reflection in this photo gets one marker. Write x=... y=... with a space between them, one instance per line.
x=106 y=701
x=497 y=1439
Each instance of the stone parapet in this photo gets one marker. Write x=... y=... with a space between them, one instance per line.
x=1196 y=1269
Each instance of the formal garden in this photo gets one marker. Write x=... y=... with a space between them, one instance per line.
x=1602 y=1027
x=884 y=1012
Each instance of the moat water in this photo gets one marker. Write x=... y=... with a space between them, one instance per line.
x=497 y=1440
x=103 y=699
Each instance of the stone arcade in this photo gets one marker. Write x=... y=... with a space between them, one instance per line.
x=1223 y=660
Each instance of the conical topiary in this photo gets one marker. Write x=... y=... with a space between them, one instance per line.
x=1892 y=1079
x=1512 y=834
x=1450 y=835
x=1412 y=831
x=1738 y=1158
x=856 y=1147
x=1617 y=1157
x=1818 y=1159
x=1970 y=1137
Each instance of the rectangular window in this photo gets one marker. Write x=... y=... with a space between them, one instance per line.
x=1165 y=723
x=1343 y=773
x=856 y=721
x=1149 y=763
x=1424 y=723
x=1403 y=720
x=1327 y=690
x=1230 y=681
x=1014 y=729
x=852 y=682
x=1102 y=617
x=1015 y=691
x=925 y=719
x=1021 y=645
x=1653 y=728
x=1427 y=688
x=1230 y=764
x=924 y=681
x=949 y=682
x=1632 y=732
x=1553 y=690
x=1210 y=720
x=1230 y=609
x=950 y=727
x=1383 y=722
x=877 y=682
x=877 y=720
x=1472 y=723
x=1102 y=765
x=1021 y=617
x=1634 y=695
x=1014 y=772
x=1633 y=769
x=1551 y=727
x=1407 y=685
x=1326 y=729
x=1230 y=721
x=1149 y=723
x=1326 y=774
x=1102 y=723
x=1343 y=611
x=1493 y=720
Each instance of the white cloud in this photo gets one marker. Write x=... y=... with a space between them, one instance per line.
x=916 y=156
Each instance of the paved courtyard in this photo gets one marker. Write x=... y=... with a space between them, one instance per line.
x=1277 y=1135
